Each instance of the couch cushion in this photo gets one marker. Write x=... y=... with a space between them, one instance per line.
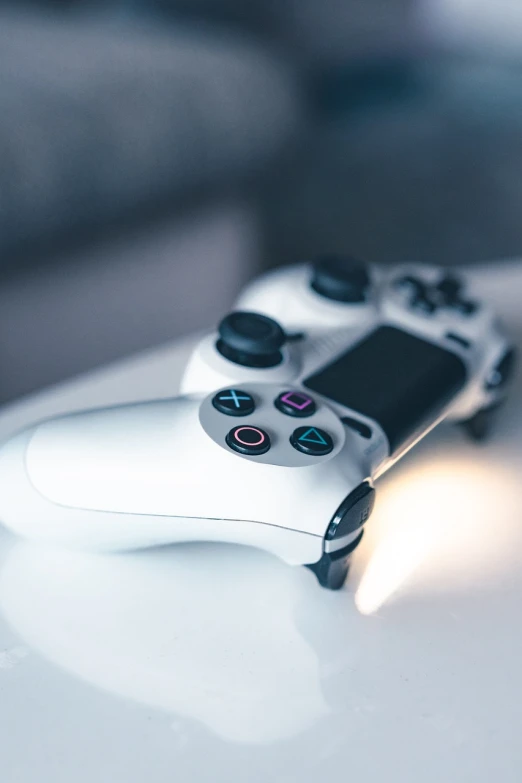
x=321 y=33
x=98 y=120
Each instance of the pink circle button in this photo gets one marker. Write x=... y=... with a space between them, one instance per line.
x=248 y=440
x=252 y=436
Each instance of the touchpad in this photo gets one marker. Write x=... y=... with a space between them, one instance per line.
x=401 y=381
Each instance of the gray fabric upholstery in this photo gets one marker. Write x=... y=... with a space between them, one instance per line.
x=317 y=32
x=97 y=120
x=123 y=294
x=326 y=32
x=432 y=177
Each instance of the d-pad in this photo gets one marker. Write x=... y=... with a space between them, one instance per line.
x=430 y=297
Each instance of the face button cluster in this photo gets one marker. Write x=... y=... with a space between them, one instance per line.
x=250 y=439
x=429 y=298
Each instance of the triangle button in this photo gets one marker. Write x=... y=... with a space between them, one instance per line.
x=312 y=440
x=313 y=435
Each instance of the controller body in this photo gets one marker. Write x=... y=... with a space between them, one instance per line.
x=280 y=431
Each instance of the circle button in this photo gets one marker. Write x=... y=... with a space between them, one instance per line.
x=312 y=440
x=248 y=440
x=234 y=402
x=295 y=403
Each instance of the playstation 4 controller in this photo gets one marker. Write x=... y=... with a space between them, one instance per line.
x=324 y=375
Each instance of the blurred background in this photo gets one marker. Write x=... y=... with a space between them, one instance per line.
x=155 y=154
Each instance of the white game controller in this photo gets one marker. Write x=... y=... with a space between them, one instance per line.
x=281 y=430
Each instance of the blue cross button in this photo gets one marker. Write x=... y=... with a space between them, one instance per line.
x=234 y=402
x=312 y=440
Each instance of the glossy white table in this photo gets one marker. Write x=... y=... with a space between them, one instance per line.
x=217 y=663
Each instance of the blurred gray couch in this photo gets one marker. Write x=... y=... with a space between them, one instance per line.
x=127 y=157
x=156 y=153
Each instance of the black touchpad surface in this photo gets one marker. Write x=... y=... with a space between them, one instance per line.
x=401 y=381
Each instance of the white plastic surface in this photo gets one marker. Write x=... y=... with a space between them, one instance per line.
x=216 y=663
x=286 y=295
x=119 y=527
x=207 y=369
x=166 y=465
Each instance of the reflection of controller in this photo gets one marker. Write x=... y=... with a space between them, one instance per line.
x=282 y=428
x=103 y=620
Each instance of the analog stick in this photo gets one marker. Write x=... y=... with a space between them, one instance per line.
x=340 y=278
x=251 y=339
